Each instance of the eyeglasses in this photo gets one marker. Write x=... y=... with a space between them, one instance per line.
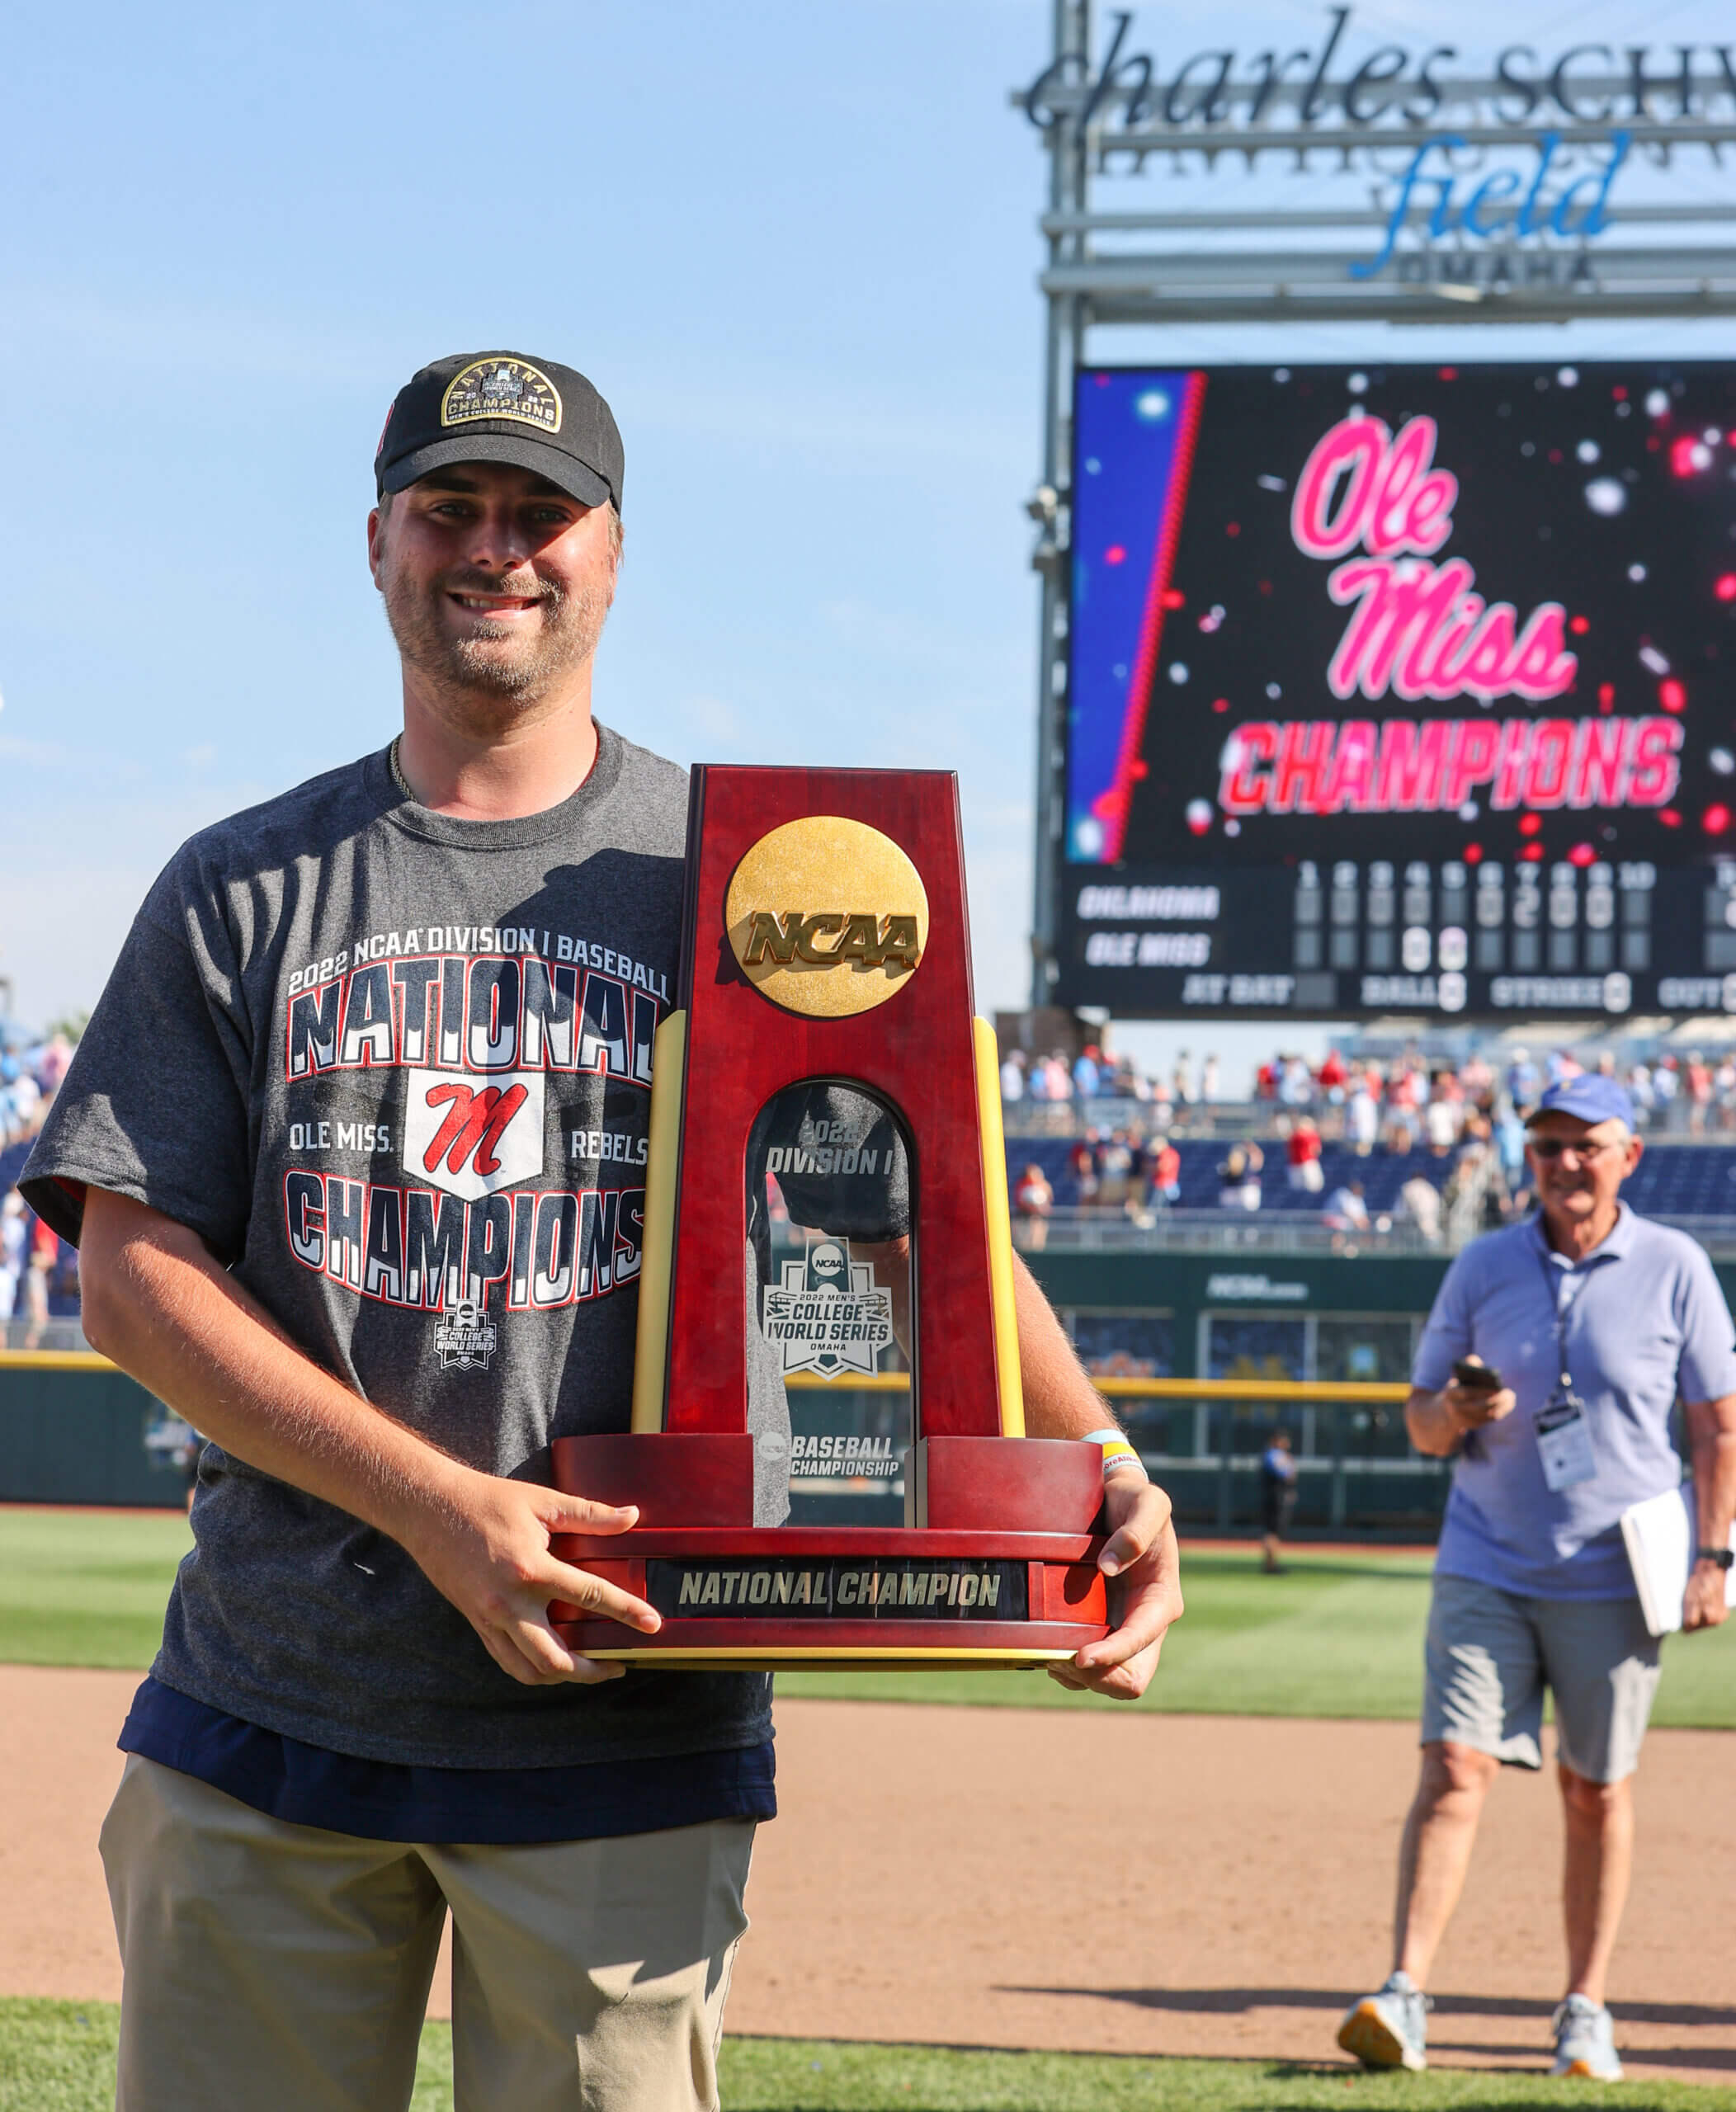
x=1552 y=1147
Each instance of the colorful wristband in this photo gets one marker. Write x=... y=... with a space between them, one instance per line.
x=1118 y=1454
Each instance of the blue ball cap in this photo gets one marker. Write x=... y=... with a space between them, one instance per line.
x=1591 y=1097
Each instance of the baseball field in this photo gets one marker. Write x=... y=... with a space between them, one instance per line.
x=1042 y=1902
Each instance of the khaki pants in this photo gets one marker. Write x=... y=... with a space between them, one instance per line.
x=271 y=1967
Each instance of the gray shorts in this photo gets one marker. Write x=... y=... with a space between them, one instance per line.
x=1490 y=1654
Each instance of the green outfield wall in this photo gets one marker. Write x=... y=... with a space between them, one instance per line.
x=1305 y=1321
x=72 y=1430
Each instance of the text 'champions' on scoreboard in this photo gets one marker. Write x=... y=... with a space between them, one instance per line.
x=1401 y=688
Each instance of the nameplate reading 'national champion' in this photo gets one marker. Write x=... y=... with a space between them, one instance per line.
x=809 y=1590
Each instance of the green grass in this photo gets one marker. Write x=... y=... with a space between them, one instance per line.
x=59 y=2057
x=1336 y=1635
x=783 y=2075
x=85 y=1587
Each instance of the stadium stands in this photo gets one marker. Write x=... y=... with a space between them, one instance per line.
x=1694 y=1182
x=1382 y=1174
x=1684 y=1181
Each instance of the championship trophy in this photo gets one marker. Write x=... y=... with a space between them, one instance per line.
x=827 y=1447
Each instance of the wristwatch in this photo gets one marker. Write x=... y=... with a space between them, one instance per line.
x=1724 y=1557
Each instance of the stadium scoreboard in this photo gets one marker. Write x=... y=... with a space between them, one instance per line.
x=1401 y=688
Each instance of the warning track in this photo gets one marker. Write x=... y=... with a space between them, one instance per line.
x=993 y=1877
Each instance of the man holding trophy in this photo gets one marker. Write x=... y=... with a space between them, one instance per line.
x=354 y=1153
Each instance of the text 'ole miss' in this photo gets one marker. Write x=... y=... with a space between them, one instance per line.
x=497 y=1013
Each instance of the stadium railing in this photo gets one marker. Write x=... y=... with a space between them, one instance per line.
x=1287 y=1231
x=1225 y=1120
x=1228 y=1121
x=1216 y=1232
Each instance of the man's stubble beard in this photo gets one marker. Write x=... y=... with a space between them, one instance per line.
x=474 y=668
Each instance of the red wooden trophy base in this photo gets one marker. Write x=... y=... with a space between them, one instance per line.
x=985 y=1577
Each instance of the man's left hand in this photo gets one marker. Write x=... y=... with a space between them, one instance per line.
x=1703 y=1603
x=1143 y=1565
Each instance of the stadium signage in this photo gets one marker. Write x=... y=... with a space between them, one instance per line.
x=1246 y=1287
x=1361 y=485
x=1420 y=631
x=1394 y=84
x=1571 y=113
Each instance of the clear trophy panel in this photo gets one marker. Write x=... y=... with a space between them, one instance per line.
x=830 y=1221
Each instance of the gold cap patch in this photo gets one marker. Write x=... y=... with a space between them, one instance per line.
x=501 y=387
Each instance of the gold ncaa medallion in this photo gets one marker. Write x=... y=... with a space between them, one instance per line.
x=827 y=916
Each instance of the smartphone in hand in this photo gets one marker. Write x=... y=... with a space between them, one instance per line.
x=1476 y=1378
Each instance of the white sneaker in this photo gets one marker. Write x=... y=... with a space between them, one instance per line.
x=1585 y=2041
x=1389 y=2029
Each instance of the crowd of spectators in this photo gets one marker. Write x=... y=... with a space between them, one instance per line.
x=1463 y=1123
x=1367 y=1101
x=1410 y=1098
x=39 y=1271
x=1058 y=1082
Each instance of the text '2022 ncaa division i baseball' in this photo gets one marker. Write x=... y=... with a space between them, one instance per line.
x=354 y=1149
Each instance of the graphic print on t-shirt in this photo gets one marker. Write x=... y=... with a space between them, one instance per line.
x=471 y=1139
x=496 y=1050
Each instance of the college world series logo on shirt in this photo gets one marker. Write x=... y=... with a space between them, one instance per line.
x=465 y=1338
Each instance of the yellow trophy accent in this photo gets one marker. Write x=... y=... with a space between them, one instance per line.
x=651 y=1347
x=1000 y=1230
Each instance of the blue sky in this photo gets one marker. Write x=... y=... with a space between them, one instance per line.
x=794 y=244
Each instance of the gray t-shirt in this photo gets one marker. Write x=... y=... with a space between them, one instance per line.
x=1644 y=1320
x=394 y=1068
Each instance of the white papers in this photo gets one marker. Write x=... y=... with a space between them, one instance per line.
x=1662 y=1535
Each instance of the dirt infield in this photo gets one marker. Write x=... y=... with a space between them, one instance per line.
x=995 y=1877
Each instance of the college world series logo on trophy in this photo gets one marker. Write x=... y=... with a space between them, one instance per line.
x=828 y=1449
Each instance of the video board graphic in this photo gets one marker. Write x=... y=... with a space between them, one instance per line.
x=1402 y=689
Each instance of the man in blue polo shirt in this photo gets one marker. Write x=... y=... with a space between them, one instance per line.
x=1592 y=1323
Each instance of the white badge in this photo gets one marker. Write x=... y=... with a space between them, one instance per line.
x=1564 y=1444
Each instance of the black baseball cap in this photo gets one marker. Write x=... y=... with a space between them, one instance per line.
x=501 y=406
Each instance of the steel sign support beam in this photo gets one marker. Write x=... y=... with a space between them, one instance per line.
x=1069 y=250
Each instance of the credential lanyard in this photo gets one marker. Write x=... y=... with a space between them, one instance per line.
x=1554 y=1277
x=1562 y=1428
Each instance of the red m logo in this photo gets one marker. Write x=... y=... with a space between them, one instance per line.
x=475 y=1121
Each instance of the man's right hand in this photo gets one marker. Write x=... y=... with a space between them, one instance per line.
x=158 y=1302
x=484 y=1543
x=1470 y=1407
